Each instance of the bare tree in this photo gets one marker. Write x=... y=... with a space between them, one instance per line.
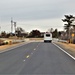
x=19 y=31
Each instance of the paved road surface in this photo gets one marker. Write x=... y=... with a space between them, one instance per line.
x=36 y=58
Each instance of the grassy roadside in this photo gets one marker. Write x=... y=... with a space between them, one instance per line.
x=70 y=48
x=4 y=47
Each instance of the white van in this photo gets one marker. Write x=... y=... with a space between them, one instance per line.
x=48 y=37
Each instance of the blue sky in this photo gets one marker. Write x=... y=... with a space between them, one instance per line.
x=35 y=14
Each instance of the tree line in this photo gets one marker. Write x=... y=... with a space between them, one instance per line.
x=69 y=27
x=20 y=32
x=68 y=34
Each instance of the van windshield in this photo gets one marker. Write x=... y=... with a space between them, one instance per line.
x=48 y=35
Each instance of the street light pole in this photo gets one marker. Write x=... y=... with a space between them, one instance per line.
x=15 y=28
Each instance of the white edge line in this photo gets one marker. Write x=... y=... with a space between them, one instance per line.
x=9 y=49
x=65 y=51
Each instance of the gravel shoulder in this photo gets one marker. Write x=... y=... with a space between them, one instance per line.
x=70 y=48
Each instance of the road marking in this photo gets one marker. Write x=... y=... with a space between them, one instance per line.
x=24 y=60
x=65 y=51
x=37 y=45
x=31 y=53
x=27 y=56
x=34 y=49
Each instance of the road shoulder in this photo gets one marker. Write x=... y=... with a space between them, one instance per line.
x=70 y=48
x=8 y=47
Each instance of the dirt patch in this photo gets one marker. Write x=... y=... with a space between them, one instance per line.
x=70 y=48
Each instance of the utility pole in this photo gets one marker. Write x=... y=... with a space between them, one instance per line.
x=15 y=28
x=11 y=26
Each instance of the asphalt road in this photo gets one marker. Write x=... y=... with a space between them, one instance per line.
x=36 y=58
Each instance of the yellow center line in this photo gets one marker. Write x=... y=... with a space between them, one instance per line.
x=27 y=56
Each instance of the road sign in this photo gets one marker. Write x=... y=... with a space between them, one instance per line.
x=72 y=35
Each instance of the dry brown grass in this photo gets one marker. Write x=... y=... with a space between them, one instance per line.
x=3 y=47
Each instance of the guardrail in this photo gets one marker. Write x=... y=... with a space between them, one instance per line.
x=17 y=41
x=59 y=40
x=64 y=41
